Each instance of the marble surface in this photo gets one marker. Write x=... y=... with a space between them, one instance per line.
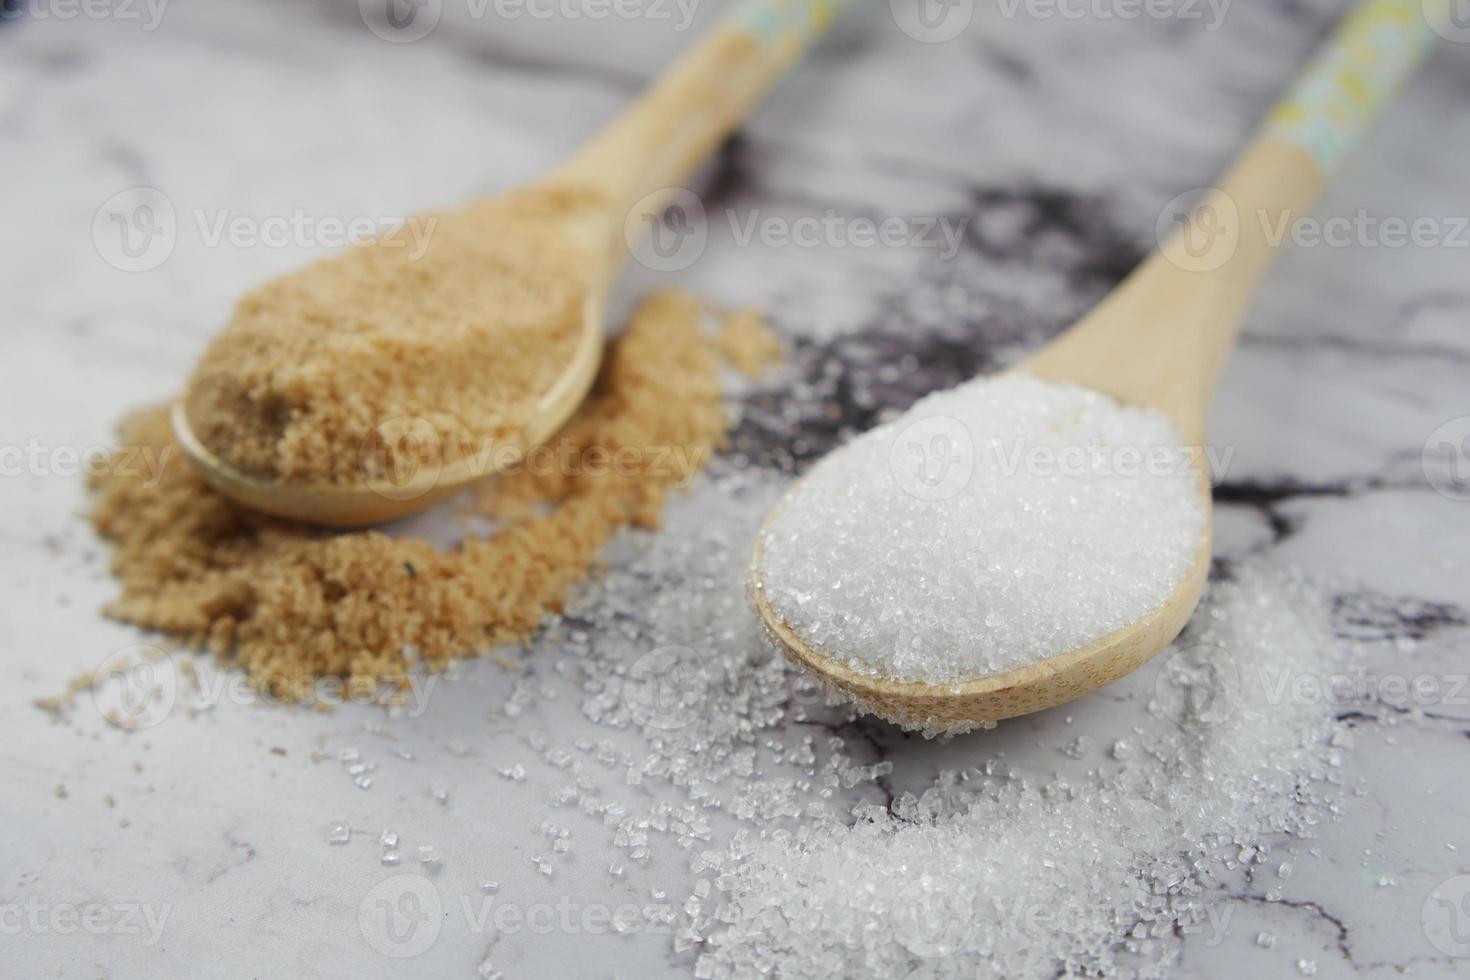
x=1056 y=140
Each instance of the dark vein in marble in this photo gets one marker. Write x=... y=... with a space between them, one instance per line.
x=1335 y=922
x=1377 y=349
x=1374 y=616
x=1268 y=496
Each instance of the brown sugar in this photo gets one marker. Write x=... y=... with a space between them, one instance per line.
x=294 y=603
x=747 y=342
x=461 y=320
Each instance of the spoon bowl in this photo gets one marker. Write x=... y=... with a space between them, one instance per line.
x=372 y=501
x=1034 y=687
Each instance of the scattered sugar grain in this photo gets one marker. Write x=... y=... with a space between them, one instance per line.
x=1134 y=851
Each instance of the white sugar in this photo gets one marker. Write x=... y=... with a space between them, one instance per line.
x=1083 y=842
x=1009 y=873
x=991 y=526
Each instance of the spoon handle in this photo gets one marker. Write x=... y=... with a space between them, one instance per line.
x=1299 y=148
x=683 y=116
x=1163 y=336
x=1352 y=78
x=1306 y=137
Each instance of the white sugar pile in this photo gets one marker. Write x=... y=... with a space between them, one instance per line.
x=1002 y=872
x=1040 y=848
x=991 y=526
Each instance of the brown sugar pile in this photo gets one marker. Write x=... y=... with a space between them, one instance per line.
x=295 y=603
x=461 y=320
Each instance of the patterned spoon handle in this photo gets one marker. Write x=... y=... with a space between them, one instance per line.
x=1355 y=74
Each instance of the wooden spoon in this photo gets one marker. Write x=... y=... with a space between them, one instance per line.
x=1161 y=340
x=656 y=142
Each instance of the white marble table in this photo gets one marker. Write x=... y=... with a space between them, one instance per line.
x=1058 y=140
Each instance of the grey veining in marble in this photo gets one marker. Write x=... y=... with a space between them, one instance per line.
x=1054 y=142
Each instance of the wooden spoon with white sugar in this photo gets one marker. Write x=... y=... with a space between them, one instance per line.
x=1159 y=342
